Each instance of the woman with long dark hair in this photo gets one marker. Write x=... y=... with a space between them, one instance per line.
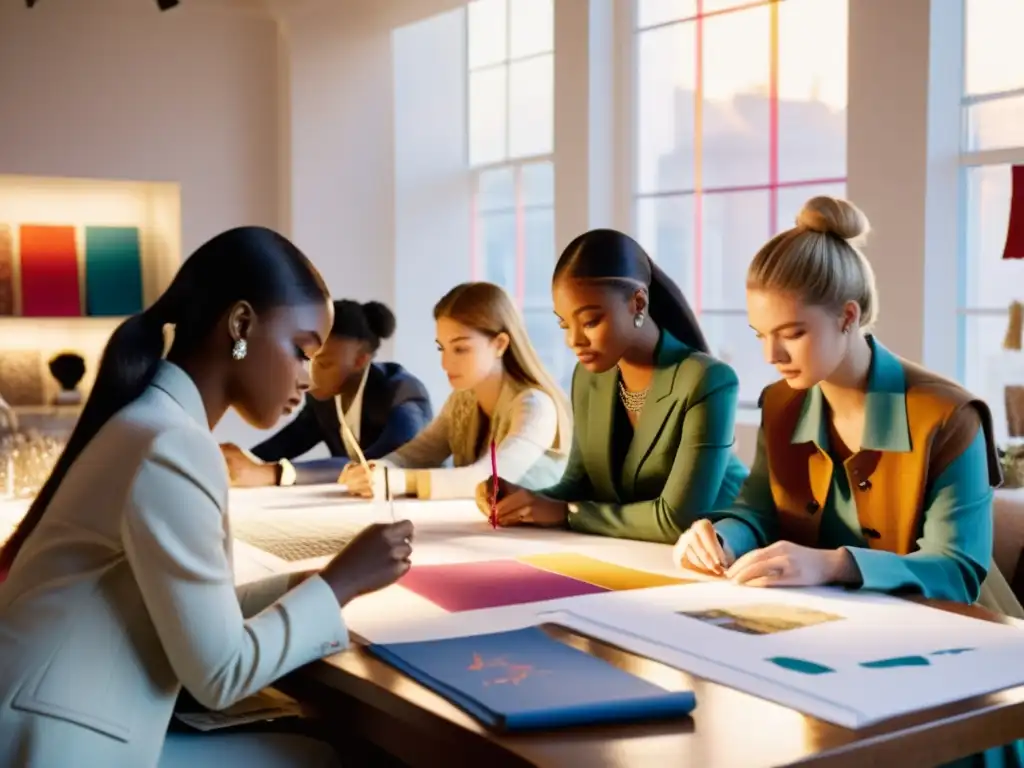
x=654 y=412
x=119 y=588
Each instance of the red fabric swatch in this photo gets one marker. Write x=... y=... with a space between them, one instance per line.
x=1015 y=232
x=6 y=271
x=50 y=283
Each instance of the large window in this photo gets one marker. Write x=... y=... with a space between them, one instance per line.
x=511 y=142
x=740 y=117
x=992 y=142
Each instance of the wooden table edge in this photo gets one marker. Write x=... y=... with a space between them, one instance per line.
x=939 y=735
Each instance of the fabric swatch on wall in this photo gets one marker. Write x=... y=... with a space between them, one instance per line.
x=6 y=271
x=1014 y=248
x=21 y=376
x=113 y=271
x=50 y=284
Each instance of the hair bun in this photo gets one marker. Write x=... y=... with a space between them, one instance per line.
x=380 y=319
x=833 y=216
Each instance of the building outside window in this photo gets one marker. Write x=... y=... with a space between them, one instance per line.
x=740 y=117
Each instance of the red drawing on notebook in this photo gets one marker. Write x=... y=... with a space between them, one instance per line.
x=507 y=673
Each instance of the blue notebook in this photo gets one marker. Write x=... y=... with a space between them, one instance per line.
x=525 y=680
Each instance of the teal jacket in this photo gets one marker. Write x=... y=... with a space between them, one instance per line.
x=680 y=463
x=953 y=548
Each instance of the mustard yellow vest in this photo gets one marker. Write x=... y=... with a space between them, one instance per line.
x=889 y=487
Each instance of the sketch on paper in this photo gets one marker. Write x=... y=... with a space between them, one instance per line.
x=807 y=667
x=764 y=619
x=502 y=671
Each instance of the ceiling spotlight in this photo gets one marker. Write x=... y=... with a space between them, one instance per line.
x=30 y=3
x=163 y=5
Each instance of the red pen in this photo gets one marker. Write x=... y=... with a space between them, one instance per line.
x=494 y=489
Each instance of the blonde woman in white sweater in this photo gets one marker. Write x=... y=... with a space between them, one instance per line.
x=502 y=393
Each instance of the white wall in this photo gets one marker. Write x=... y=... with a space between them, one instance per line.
x=113 y=89
x=377 y=137
x=432 y=190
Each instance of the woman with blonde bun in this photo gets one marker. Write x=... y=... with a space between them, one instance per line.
x=870 y=471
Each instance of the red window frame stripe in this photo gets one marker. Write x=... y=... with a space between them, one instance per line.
x=774 y=184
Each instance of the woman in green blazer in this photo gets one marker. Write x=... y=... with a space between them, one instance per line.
x=654 y=413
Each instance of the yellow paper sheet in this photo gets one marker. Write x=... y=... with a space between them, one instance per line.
x=598 y=572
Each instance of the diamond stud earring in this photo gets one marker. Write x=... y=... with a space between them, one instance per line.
x=638 y=320
x=240 y=350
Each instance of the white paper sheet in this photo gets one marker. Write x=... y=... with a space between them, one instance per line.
x=947 y=657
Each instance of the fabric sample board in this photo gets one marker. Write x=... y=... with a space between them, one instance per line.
x=50 y=285
x=525 y=680
x=113 y=271
x=6 y=271
x=21 y=377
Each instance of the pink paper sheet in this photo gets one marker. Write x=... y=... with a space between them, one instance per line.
x=471 y=586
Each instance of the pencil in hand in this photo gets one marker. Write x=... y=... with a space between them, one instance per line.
x=494 y=486
x=387 y=494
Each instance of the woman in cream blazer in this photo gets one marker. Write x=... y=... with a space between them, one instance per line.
x=120 y=587
x=502 y=395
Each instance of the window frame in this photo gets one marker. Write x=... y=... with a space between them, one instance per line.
x=747 y=411
x=517 y=164
x=967 y=160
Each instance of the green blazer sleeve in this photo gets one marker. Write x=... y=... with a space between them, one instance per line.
x=702 y=458
x=955 y=547
x=752 y=522
x=575 y=482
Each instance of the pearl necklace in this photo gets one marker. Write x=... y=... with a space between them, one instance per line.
x=633 y=401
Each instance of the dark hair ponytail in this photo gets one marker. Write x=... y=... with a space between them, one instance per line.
x=671 y=311
x=127 y=367
x=379 y=319
x=609 y=255
x=251 y=264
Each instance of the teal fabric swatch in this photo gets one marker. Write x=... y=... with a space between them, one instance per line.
x=113 y=271
x=800 y=665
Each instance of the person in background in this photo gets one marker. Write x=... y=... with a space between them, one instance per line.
x=120 y=588
x=871 y=472
x=383 y=405
x=654 y=412
x=502 y=393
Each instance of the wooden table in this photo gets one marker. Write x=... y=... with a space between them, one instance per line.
x=728 y=728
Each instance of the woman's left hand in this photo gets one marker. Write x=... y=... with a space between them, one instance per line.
x=785 y=564
x=523 y=507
